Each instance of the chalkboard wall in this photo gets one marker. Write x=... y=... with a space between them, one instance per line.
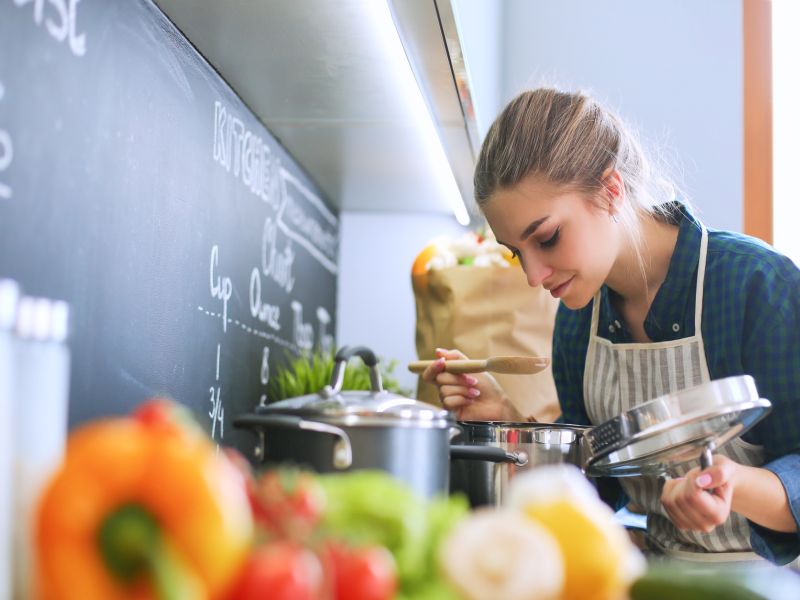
x=135 y=185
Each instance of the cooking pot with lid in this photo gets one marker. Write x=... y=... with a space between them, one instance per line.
x=337 y=430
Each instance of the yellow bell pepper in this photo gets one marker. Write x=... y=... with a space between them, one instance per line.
x=142 y=507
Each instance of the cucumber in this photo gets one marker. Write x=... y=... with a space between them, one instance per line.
x=668 y=581
x=674 y=584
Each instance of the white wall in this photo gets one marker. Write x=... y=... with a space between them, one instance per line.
x=673 y=68
x=375 y=301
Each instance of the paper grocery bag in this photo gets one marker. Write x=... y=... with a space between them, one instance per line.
x=488 y=311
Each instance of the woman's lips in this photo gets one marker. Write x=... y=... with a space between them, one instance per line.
x=559 y=291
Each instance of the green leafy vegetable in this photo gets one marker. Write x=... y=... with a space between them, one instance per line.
x=309 y=373
x=373 y=507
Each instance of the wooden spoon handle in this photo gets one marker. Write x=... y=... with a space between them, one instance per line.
x=451 y=366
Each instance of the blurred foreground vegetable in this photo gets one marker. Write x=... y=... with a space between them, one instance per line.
x=362 y=573
x=600 y=561
x=142 y=507
x=370 y=507
x=498 y=553
x=281 y=570
x=288 y=503
x=665 y=580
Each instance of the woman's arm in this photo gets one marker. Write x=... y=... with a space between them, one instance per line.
x=759 y=495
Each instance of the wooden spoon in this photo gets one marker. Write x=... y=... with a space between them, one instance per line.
x=518 y=365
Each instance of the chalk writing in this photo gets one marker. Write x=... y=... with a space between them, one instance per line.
x=274 y=263
x=266 y=335
x=303 y=332
x=325 y=339
x=6 y=153
x=265 y=366
x=221 y=287
x=306 y=219
x=238 y=149
x=266 y=313
x=59 y=21
x=264 y=374
x=217 y=412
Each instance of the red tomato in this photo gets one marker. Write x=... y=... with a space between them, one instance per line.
x=288 y=502
x=366 y=573
x=280 y=571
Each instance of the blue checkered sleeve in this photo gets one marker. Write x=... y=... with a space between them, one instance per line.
x=771 y=354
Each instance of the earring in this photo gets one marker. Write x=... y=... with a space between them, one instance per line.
x=614 y=218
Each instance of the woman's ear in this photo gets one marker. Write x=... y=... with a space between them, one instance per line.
x=613 y=190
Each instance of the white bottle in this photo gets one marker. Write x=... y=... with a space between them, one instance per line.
x=9 y=297
x=41 y=392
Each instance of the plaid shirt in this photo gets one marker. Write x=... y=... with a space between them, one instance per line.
x=750 y=325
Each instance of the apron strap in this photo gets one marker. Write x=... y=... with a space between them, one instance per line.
x=698 y=302
x=595 y=313
x=701 y=277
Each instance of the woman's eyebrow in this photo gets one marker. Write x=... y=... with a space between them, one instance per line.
x=530 y=229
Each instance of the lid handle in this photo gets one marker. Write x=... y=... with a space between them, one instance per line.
x=340 y=364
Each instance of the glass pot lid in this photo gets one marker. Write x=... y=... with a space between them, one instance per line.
x=376 y=406
x=673 y=429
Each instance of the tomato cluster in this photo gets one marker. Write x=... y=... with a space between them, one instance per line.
x=294 y=560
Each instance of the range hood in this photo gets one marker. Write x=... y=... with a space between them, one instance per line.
x=318 y=75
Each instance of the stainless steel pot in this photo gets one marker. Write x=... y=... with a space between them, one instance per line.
x=337 y=430
x=486 y=483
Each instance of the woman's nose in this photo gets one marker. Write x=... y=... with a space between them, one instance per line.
x=537 y=272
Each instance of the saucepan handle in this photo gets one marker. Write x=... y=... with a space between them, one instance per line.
x=488 y=453
x=342 y=449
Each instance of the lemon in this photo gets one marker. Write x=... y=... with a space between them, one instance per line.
x=600 y=560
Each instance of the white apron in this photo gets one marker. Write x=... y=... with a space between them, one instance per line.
x=618 y=377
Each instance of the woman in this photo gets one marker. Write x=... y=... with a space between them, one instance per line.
x=651 y=302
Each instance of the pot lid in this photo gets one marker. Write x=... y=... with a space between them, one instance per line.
x=365 y=404
x=674 y=429
x=333 y=403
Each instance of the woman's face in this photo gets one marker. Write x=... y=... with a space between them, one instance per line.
x=566 y=242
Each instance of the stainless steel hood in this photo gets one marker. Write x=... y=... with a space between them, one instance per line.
x=319 y=76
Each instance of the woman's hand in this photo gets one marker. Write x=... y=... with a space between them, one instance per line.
x=688 y=502
x=473 y=397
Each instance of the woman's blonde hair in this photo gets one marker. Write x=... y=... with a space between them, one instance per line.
x=570 y=139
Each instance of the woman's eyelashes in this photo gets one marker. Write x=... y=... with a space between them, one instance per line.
x=552 y=240
x=548 y=243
